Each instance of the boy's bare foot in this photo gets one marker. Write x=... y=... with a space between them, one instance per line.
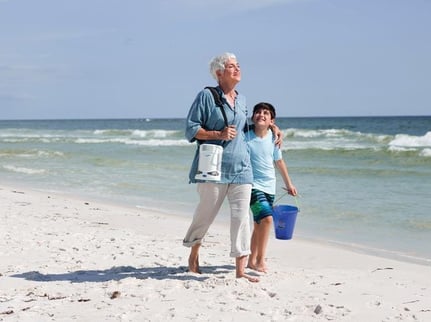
x=258 y=268
x=251 y=264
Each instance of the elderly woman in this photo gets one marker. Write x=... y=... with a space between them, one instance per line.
x=207 y=124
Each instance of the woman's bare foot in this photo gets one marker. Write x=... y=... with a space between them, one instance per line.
x=194 y=259
x=194 y=265
x=253 y=279
x=240 y=263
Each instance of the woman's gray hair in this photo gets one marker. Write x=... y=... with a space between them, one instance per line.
x=218 y=63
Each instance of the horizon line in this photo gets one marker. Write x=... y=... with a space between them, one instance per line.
x=180 y=118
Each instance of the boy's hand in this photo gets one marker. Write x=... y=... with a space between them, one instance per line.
x=278 y=135
x=291 y=190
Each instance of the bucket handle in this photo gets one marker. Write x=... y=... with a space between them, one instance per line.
x=284 y=194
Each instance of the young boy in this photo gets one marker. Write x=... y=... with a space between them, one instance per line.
x=264 y=153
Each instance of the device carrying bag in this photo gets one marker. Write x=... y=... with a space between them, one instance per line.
x=210 y=155
x=209 y=165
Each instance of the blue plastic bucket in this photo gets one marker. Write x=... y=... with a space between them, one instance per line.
x=284 y=217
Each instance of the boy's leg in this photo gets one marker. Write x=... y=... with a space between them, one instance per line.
x=253 y=247
x=262 y=244
x=261 y=206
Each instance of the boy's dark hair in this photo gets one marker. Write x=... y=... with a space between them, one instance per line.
x=264 y=106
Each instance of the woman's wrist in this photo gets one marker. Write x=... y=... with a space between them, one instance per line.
x=217 y=135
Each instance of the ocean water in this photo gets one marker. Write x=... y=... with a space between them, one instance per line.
x=364 y=182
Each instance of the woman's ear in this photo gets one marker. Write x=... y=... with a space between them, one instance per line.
x=219 y=73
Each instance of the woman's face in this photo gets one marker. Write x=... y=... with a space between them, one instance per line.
x=231 y=73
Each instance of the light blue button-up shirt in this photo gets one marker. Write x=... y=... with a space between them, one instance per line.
x=236 y=165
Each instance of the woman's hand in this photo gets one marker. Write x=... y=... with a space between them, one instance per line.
x=228 y=133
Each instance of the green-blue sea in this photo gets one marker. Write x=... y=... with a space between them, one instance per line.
x=364 y=182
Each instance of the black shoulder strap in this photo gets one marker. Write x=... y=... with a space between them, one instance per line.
x=218 y=102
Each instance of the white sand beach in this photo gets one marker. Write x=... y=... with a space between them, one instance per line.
x=68 y=259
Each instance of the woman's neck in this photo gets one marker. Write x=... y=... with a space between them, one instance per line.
x=229 y=93
x=227 y=89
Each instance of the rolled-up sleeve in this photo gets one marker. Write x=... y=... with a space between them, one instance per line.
x=192 y=124
x=197 y=115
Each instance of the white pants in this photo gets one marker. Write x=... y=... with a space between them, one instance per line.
x=211 y=199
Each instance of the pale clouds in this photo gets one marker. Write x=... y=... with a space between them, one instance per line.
x=76 y=34
x=225 y=6
x=238 y=4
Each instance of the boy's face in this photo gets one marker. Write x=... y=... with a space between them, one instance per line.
x=262 y=117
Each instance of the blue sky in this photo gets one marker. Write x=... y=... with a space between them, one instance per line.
x=139 y=59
